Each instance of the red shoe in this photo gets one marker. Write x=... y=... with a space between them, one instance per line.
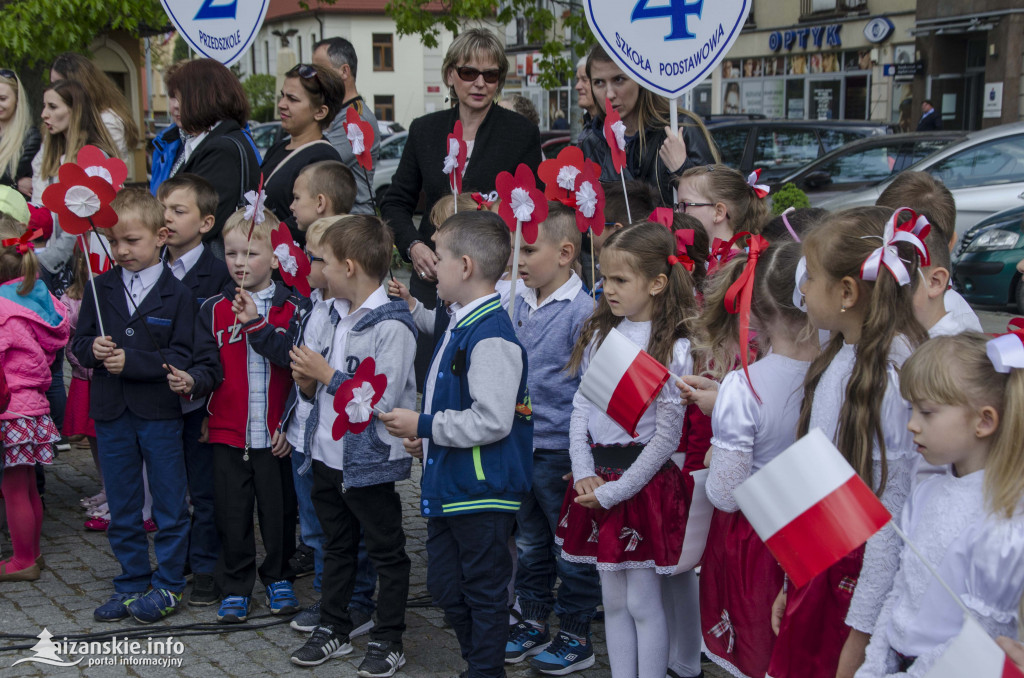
x=98 y=524
x=150 y=525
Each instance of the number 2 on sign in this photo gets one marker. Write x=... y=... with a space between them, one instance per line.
x=677 y=10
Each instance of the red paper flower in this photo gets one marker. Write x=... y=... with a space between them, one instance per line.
x=292 y=261
x=559 y=173
x=80 y=200
x=356 y=398
x=360 y=135
x=615 y=135
x=455 y=158
x=97 y=164
x=522 y=203
x=589 y=197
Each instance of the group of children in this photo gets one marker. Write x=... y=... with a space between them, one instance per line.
x=230 y=391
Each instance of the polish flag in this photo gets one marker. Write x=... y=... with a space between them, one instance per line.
x=623 y=380
x=973 y=653
x=810 y=507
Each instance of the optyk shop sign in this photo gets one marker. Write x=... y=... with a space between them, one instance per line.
x=219 y=29
x=668 y=46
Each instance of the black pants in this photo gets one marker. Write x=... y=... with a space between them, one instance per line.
x=378 y=510
x=468 y=572
x=263 y=480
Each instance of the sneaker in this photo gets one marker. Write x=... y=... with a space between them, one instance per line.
x=116 y=607
x=154 y=605
x=62 y=445
x=204 y=591
x=324 y=644
x=362 y=622
x=281 y=598
x=303 y=563
x=565 y=655
x=234 y=609
x=382 y=659
x=308 y=619
x=525 y=640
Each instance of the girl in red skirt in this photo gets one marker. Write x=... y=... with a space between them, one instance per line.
x=623 y=512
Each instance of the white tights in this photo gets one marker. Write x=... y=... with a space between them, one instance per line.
x=635 y=623
x=680 y=596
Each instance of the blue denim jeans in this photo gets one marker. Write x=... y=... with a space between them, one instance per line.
x=203 y=543
x=124 y=444
x=540 y=558
x=309 y=525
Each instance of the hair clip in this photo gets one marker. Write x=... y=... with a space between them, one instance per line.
x=789 y=227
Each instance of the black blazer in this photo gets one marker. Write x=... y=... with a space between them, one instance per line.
x=505 y=139
x=169 y=311
x=930 y=123
x=207 y=278
x=279 y=188
x=217 y=160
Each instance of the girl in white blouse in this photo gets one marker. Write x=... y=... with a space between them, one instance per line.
x=968 y=417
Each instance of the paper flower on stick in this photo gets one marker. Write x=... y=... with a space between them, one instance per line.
x=97 y=164
x=80 y=200
x=589 y=196
x=559 y=173
x=292 y=261
x=356 y=398
x=615 y=135
x=360 y=135
x=455 y=160
x=254 y=206
x=522 y=203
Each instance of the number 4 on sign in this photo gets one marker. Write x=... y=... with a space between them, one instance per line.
x=677 y=10
x=210 y=10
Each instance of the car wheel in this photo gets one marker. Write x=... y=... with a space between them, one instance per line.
x=1019 y=300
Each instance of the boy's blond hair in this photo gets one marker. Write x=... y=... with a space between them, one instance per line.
x=364 y=239
x=259 y=231
x=333 y=180
x=445 y=207
x=139 y=203
x=316 y=230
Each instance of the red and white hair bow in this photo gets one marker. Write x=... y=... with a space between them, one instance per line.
x=886 y=255
x=484 y=202
x=455 y=160
x=24 y=243
x=1007 y=350
x=762 y=190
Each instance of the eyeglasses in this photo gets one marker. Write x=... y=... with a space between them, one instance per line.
x=470 y=74
x=681 y=206
x=9 y=74
x=313 y=258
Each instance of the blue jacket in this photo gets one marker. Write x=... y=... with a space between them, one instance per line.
x=166 y=147
x=490 y=476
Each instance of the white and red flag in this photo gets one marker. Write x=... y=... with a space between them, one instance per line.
x=810 y=507
x=623 y=380
x=973 y=653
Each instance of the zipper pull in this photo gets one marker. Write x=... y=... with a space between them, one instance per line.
x=245 y=456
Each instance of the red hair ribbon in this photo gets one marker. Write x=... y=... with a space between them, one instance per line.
x=483 y=202
x=739 y=296
x=684 y=237
x=1007 y=350
x=886 y=255
x=24 y=243
x=663 y=216
x=722 y=252
x=761 y=190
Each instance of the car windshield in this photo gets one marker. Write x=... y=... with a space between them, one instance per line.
x=1000 y=161
x=392 y=149
x=781 y=149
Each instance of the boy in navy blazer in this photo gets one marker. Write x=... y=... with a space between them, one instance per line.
x=138 y=419
x=190 y=207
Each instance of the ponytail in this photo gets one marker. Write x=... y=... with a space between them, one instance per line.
x=17 y=255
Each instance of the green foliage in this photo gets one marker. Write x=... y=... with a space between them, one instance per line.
x=789 y=196
x=36 y=31
x=261 y=89
x=181 y=50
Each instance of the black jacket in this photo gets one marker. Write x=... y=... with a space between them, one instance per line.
x=505 y=139
x=279 y=188
x=217 y=159
x=930 y=122
x=29 y=148
x=207 y=277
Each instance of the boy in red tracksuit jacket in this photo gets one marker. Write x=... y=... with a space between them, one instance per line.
x=242 y=340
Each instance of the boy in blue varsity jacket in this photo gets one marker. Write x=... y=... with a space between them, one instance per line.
x=137 y=419
x=354 y=477
x=190 y=207
x=242 y=340
x=476 y=436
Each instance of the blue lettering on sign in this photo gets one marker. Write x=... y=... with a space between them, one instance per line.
x=208 y=10
x=775 y=41
x=632 y=55
x=802 y=36
x=817 y=33
x=789 y=39
x=677 y=10
x=832 y=35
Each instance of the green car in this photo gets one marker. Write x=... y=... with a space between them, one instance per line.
x=985 y=263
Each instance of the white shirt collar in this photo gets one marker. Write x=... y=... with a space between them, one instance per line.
x=147 y=276
x=378 y=298
x=566 y=292
x=460 y=312
x=266 y=293
x=186 y=261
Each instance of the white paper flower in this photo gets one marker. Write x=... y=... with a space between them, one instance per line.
x=361 y=406
x=567 y=177
x=522 y=204
x=586 y=200
x=101 y=172
x=451 y=161
x=619 y=128
x=286 y=260
x=82 y=201
x=355 y=137
x=255 y=206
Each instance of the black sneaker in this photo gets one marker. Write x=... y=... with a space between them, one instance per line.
x=321 y=646
x=361 y=622
x=204 y=591
x=303 y=562
x=382 y=659
x=308 y=619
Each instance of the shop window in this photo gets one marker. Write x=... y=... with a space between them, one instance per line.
x=383 y=52
x=997 y=162
x=384 y=106
x=783 y=149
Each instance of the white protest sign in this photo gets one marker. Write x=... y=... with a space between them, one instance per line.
x=218 y=29
x=668 y=46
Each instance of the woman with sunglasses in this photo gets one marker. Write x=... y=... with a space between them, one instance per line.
x=19 y=139
x=311 y=97
x=498 y=140
x=654 y=153
x=212 y=114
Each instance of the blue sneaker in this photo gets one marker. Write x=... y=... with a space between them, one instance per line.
x=525 y=640
x=116 y=607
x=566 y=654
x=281 y=598
x=234 y=609
x=154 y=605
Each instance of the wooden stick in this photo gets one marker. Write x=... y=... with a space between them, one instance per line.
x=593 y=270
x=515 y=272
x=625 y=197
x=92 y=283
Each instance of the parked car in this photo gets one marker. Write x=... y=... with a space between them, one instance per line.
x=266 y=134
x=984 y=171
x=780 y=147
x=554 y=145
x=986 y=261
x=865 y=162
x=391 y=150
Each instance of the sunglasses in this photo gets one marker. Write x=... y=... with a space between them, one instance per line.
x=470 y=74
x=9 y=74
